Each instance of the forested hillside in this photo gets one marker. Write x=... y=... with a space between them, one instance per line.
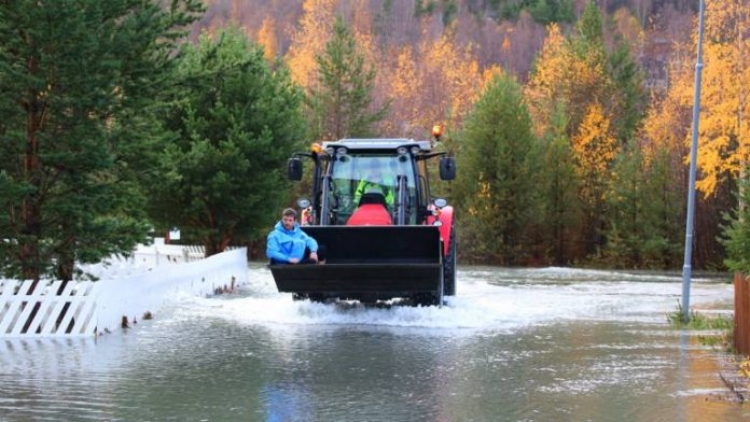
x=570 y=121
x=498 y=32
x=612 y=98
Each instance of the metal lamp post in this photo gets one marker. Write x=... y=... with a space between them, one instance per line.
x=687 y=267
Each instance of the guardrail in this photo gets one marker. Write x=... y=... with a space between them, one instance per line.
x=80 y=308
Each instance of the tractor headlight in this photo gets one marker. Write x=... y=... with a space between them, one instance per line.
x=414 y=150
x=401 y=150
x=330 y=150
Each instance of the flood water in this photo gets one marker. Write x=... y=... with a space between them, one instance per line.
x=515 y=345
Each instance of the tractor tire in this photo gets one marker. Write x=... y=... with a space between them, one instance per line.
x=430 y=299
x=449 y=266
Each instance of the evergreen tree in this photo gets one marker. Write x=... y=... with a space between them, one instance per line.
x=497 y=186
x=590 y=25
x=644 y=229
x=629 y=98
x=626 y=203
x=736 y=233
x=560 y=207
x=543 y=11
x=80 y=82
x=341 y=104
x=235 y=123
x=664 y=214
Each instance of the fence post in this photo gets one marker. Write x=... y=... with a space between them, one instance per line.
x=741 y=314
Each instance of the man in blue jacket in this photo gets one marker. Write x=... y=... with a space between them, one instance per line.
x=288 y=244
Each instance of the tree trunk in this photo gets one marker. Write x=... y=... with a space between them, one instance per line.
x=214 y=247
x=65 y=267
x=31 y=231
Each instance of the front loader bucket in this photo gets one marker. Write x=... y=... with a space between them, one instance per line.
x=369 y=263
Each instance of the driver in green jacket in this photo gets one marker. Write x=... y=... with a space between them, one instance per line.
x=374 y=179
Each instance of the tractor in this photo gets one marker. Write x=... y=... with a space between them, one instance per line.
x=386 y=237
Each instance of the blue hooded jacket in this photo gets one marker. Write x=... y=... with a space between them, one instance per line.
x=284 y=244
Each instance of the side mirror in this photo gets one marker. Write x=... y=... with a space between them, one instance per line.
x=447 y=168
x=294 y=169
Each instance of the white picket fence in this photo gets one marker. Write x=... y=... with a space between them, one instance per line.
x=42 y=311
x=129 y=291
x=160 y=253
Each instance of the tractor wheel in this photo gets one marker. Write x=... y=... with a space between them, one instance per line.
x=430 y=299
x=449 y=266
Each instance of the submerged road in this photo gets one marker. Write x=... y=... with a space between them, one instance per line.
x=515 y=345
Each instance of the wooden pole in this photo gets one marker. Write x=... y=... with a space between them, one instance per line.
x=741 y=314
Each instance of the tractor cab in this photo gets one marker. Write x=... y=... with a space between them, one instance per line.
x=349 y=169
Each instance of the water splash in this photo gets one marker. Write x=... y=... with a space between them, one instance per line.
x=498 y=299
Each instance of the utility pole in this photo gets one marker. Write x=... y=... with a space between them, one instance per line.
x=687 y=266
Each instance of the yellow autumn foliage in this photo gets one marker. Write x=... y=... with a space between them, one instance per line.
x=316 y=26
x=437 y=82
x=594 y=145
x=458 y=75
x=724 y=136
x=549 y=78
x=267 y=38
x=404 y=86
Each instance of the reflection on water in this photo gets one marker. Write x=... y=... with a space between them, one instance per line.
x=535 y=345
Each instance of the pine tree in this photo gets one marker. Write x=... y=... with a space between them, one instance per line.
x=626 y=203
x=560 y=208
x=235 y=123
x=629 y=98
x=340 y=103
x=645 y=210
x=496 y=191
x=664 y=212
x=80 y=84
x=736 y=233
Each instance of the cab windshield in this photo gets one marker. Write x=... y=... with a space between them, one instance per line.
x=352 y=175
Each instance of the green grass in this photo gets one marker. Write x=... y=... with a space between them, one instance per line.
x=699 y=321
